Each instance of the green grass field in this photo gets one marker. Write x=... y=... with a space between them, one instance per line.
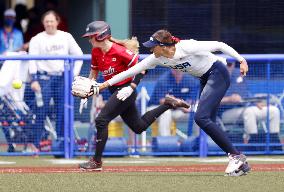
x=138 y=181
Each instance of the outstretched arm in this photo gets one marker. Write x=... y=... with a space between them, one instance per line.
x=223 y=47
x=212 y=46
x=125 y=92
x=145 y=64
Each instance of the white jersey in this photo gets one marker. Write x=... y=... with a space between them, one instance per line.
x=61 y=43
x=191 y=56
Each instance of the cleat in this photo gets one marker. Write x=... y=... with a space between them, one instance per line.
x=237 y=166
x=91 y=165
x=244 y=170
x=175 y=102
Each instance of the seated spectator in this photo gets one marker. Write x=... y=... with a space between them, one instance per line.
x=9 y=71
x=251 y=114
x=180 y=85
x=11 y=39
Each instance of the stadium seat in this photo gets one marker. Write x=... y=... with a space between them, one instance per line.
x=165 y=144
x=190 y=144
x=116 y=144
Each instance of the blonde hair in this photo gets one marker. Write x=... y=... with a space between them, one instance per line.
x=131 y=44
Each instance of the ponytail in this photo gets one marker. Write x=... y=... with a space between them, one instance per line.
x=175 y=39
x=131 y=44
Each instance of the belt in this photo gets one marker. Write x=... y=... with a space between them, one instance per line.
x=51 y=73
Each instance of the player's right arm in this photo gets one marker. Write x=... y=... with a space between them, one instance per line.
x=93 y=74
x=94 y=67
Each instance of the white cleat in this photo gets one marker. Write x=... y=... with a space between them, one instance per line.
x=237 y=166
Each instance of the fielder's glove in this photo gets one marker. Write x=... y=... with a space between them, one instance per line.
x=124 y=93
x=84 y=87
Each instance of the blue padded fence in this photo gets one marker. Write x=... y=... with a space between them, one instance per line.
x=265 y=78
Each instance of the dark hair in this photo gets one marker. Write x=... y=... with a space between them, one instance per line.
x=164 y=36
x=51 y=12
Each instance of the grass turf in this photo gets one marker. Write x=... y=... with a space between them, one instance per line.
x=160 y=182
x=134 y=181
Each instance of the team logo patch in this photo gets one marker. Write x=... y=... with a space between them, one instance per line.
x=182 y=67
x=109 y=71
x=113 y=59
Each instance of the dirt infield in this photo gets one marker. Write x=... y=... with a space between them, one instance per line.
x=123 y=169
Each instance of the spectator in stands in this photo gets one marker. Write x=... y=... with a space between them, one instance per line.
x=11 y=39
x=21 y=17
x=34 y=25
x=9 y=71
x=48 y=75
x=236 y=108
x=54 y=5
x=180 y=85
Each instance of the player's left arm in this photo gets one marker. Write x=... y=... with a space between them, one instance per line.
x=74 y=49
x=213 y=46
x=223 y=47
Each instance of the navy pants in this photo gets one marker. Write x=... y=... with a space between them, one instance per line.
x=213 y=86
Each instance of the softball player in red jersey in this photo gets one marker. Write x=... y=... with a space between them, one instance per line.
x=110 y=58
x=195 y=57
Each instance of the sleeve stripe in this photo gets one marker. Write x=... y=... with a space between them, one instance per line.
x=134 y=57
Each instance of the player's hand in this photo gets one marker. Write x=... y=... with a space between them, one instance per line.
x=243 y=67
x=35 y=86
x=83 y=104
x=124 y=93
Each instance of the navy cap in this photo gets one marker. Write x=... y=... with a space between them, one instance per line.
x=154 y=42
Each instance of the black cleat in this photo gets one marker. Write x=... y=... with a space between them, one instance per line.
x=91 y=165
x=175 y=102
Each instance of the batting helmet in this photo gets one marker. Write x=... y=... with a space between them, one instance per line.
x=98 y=28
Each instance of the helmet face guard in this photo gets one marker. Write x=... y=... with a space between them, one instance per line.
x=99 y=29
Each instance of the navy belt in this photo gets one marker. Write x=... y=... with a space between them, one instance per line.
x=50 y=73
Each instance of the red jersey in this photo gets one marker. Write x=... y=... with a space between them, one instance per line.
x=115 y=61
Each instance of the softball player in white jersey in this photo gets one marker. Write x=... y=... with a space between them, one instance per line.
x=195 y=58
x=48 y=75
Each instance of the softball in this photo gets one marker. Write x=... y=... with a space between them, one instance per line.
x=17 y=84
